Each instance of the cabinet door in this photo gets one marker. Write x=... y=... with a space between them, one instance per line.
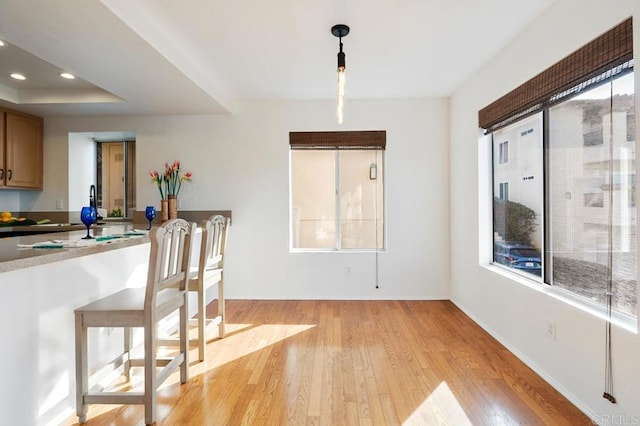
x=23 y=161
x=2 y=167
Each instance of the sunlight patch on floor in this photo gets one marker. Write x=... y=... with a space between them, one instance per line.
x=441 y=407
x=248 y=339
x=241 y=340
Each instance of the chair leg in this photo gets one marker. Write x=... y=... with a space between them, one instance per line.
x=82 y=368
x=150 y=382
x=184 y=339
x=202 y=321
x=128 y=343
x=221 y=312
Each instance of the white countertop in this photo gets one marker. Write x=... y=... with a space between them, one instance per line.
x=12 y=257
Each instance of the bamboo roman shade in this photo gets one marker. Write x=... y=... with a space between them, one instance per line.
x=610 y=50
x=370 y=139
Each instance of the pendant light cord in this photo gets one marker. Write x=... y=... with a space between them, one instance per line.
x=375 y=196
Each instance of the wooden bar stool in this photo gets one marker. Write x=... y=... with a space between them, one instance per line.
x=210 y=272
x=165 y=293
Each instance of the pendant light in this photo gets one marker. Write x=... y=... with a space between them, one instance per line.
x=340 y=31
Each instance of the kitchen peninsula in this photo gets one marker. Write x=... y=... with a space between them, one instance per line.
x=13 y=257
x=40 y=290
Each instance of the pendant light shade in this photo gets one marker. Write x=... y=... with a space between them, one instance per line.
x=340 y=31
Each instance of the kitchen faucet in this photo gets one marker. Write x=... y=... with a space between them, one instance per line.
x=92 y=200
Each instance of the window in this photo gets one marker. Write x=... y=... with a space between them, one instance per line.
x=564 y=208
x=504 y=191
x=337 y=192
x=589 y=204
x=504 y=152
x=594 y=199
x=517 y=204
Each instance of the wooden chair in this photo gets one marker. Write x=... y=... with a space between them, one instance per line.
x=165 y=292
x=210 y=272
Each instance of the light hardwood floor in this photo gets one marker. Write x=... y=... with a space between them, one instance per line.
x=353 y=363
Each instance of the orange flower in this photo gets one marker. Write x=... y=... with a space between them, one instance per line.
x=155 y=177
x=171 y=179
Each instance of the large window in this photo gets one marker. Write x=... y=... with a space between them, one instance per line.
x=337 y=195
x=564 y=175
x=570 y=216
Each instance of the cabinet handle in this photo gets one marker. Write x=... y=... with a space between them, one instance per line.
x=10 y=174
x=1 y=174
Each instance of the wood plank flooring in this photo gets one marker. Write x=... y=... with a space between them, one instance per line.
x=353 y=363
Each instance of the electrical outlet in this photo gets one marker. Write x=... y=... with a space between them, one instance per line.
x=551 y=329
x=59 y=204
x=347 y=271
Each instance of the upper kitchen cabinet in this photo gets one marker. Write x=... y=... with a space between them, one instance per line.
x=21 y=151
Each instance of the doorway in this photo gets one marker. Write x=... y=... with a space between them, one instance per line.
x=115 y=177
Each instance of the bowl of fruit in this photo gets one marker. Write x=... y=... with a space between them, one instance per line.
x=8 y=219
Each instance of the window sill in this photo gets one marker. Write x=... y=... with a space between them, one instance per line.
x=623 y=321
x=336 y=251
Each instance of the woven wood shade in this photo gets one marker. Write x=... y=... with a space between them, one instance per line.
x=611 y=49
x=370 y=139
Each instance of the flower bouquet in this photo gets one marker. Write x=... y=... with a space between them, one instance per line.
x=169 y=185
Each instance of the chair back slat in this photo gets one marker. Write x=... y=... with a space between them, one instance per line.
x=169 y=257
x=223 y=234
x=178 y=240
x=205 y=245
x=213 y=244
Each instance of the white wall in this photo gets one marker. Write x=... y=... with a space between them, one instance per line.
x=241 y=162
x=82 y=170
x=515 y=313
x=9 y=200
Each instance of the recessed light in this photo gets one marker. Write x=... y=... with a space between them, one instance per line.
x=2 y=43
x=18 y=76
x=67 y=75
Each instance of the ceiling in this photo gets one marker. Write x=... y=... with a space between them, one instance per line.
x=150 y=57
